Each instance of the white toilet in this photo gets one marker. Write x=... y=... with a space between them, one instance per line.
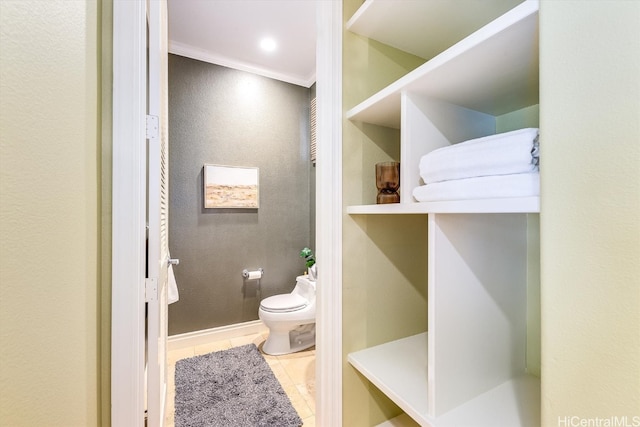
x=291 y=318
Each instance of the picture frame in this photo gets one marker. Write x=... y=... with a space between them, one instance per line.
x=231 y=187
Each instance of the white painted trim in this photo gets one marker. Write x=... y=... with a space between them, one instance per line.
x=205 y=336
x=329 y=215
x=128 y=244
x=202 y=55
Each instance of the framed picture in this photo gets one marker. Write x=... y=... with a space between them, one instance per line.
x=230 y=187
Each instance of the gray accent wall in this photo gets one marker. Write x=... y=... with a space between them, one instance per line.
x=218 y=115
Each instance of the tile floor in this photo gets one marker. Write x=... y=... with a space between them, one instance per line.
x=296 y=373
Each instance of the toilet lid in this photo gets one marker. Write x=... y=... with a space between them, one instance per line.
x=283 y=303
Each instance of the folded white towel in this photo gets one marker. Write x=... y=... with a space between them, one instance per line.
x=486 y=187
x=172 y=286
x=502 y=154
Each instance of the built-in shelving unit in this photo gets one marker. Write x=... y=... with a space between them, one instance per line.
x=457 y=95
x=470 y=368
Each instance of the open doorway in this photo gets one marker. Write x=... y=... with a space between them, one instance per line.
x=128 y=300
x=236 y=103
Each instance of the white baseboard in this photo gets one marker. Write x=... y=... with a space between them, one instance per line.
x=192 y=339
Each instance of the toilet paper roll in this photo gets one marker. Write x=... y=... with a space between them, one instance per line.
x=254 y=275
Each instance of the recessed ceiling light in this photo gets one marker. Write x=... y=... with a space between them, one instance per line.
x=268 y=44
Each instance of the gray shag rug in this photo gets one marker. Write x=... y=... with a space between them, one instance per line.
x=231 y=388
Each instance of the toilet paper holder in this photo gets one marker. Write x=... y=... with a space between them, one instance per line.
x=253 y=274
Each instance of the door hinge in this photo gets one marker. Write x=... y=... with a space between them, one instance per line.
x=150 y=289
x=152 y=127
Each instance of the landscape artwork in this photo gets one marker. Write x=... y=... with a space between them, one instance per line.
x=230 y=187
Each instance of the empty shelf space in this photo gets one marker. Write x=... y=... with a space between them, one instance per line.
x=399 y=370
x=402 y=25
x=493 y=71
x=514 y=403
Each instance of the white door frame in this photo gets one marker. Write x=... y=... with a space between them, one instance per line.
x=129 y=212
x=329 y=214
x=128 y=227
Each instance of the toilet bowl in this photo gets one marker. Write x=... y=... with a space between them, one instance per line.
x=291 y=318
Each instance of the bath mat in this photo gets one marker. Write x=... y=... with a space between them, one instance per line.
x=231 y=388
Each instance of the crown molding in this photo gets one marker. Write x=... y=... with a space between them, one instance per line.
x=181 y=49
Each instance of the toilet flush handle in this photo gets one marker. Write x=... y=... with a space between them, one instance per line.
x=173 y=261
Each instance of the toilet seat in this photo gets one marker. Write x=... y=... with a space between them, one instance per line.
x=284 y=303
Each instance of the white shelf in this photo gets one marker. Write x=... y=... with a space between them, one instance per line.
x=388 y=209
x=403 y=26
x=492 y=71
x=399 y=369
x=512 y=205
x=402 y=420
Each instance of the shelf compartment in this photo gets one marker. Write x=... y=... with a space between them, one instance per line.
x=477 y=275
x=399 y=369
x=403 y=26
x=512 y=205
x=463 y=75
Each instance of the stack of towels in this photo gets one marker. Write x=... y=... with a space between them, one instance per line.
x=496 y=166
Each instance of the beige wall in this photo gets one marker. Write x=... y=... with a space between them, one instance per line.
x=590 y=220
x=49 y=213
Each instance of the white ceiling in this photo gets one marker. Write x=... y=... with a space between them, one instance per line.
x=228 y=33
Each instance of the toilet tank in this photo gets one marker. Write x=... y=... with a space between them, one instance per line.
x=305 y=288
